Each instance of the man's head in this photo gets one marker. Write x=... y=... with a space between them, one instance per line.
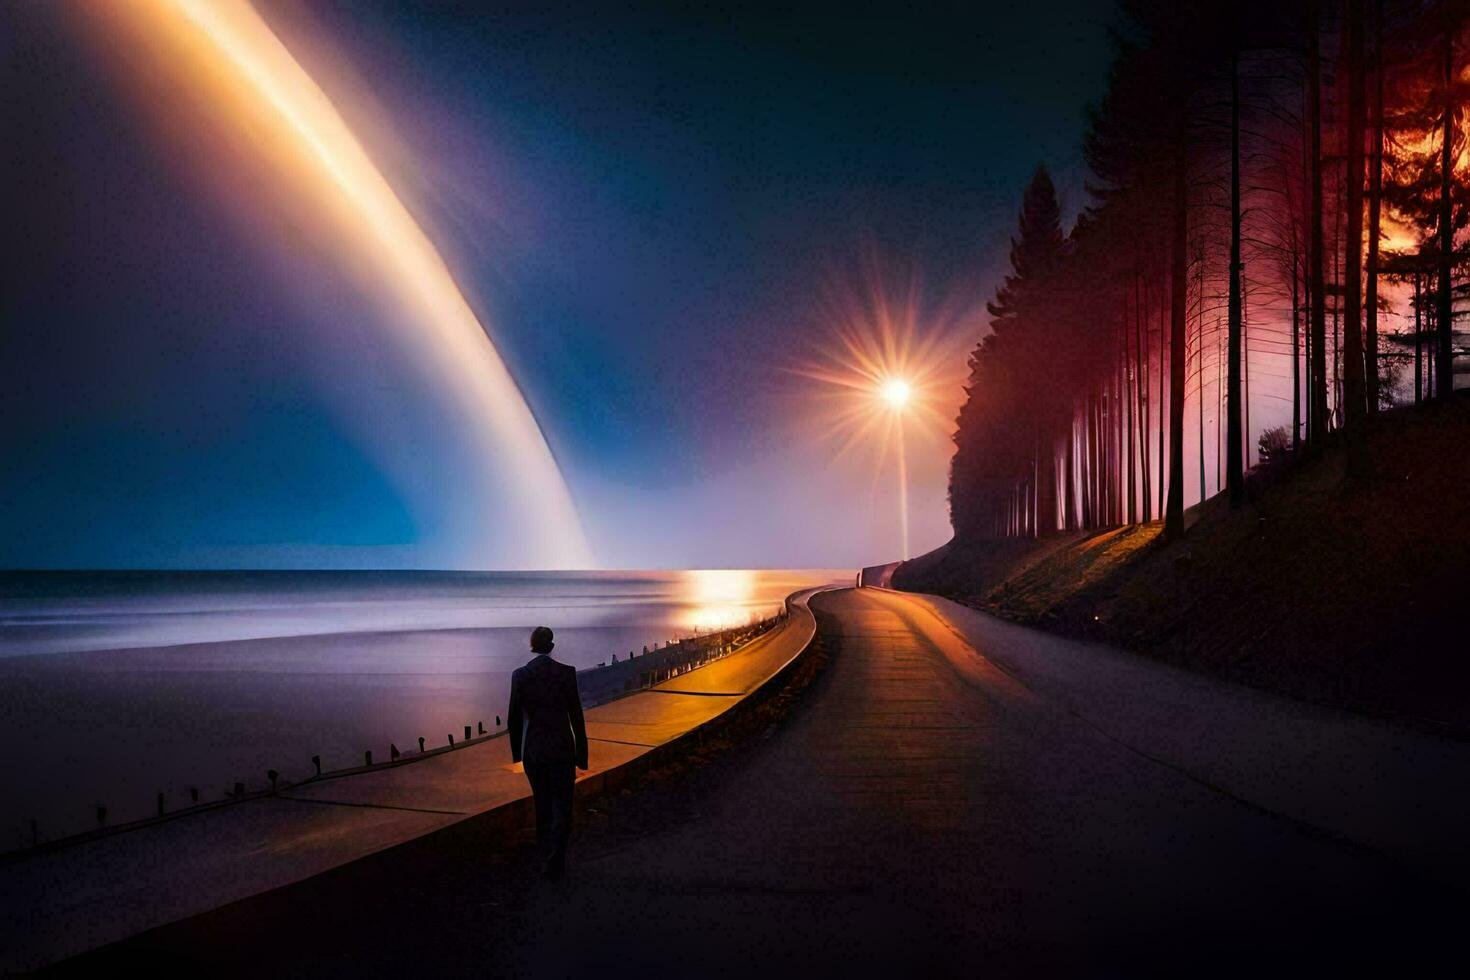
x=541 y=640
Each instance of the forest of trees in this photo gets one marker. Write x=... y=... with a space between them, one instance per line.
x=1274 y=189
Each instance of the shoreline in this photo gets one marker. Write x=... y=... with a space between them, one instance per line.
x=286 y=837
x=117 y=726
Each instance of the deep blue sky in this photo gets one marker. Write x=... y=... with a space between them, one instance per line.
x=643 y=205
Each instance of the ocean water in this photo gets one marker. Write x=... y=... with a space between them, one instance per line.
x=116 y=686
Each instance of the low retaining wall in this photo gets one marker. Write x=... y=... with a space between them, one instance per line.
x=878 y=576
x=596 y=685
x=607 y=682
x=518 y=817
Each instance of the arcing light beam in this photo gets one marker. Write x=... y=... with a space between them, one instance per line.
x=288 y=114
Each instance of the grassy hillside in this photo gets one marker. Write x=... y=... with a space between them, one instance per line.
x=1354 y=595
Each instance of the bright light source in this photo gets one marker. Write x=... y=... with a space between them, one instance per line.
x=896 y=392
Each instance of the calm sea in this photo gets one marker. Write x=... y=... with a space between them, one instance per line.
x=117 y=686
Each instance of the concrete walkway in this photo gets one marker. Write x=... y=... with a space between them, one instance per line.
x=927 y=809
x=63 y=902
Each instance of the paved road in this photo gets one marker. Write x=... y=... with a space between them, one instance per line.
x=916 y=814
x=1402 y=793
x=920 y=809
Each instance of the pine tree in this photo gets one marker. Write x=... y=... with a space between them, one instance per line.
x=1003 y=366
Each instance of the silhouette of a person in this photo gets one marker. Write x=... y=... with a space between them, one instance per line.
x=548 y=734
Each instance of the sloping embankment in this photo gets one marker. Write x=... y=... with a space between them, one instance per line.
x=1345 y=594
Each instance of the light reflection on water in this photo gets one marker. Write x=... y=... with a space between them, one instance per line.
x=116 y=686
x=72 y=612
x=721 y=598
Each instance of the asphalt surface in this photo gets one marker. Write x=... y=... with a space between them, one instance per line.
x=914 y=807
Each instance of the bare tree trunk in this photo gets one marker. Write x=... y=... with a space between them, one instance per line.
x=1069 y=474
x=1355 y=417
x=1046 y=482
x=1094 y=504
x=1129 y=412
x=1104 y=512
x=1444 y=366
x=1234 y=468
x=1296 y=360
x=1120 y=475
x=1160 y=410
x=1307 y=436
x=1430 y=385
x=1086 y=480
x=1219 y=406
x=1140 y=388
x=1199 y=355
x=1033 y=497
x=1337 y=310
x=1318 y=400
x=1097 y=456
x=1245 y=364
x=1036 y=477
x=1120 y=487
x=1375 y=198
x=1116 y=446
x=1099 y=435
x=1174 y=510
x=1418 y=339
x=1300 y=271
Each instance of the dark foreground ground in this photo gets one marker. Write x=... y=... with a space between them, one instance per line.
x=1346 y=594
x=885 y=812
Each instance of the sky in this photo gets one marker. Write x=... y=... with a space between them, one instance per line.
x=649 y=210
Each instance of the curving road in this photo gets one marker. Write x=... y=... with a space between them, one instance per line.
x=926 y=809
x=951 y=795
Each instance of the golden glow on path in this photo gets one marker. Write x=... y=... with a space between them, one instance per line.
x=719 y=598
x=251 y=76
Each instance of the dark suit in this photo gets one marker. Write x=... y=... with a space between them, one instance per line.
x=548 y=734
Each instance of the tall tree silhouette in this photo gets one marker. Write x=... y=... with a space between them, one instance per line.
x=1003 y=364
x=1317 y=151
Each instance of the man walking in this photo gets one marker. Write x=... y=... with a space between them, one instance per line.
x=548 y=734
